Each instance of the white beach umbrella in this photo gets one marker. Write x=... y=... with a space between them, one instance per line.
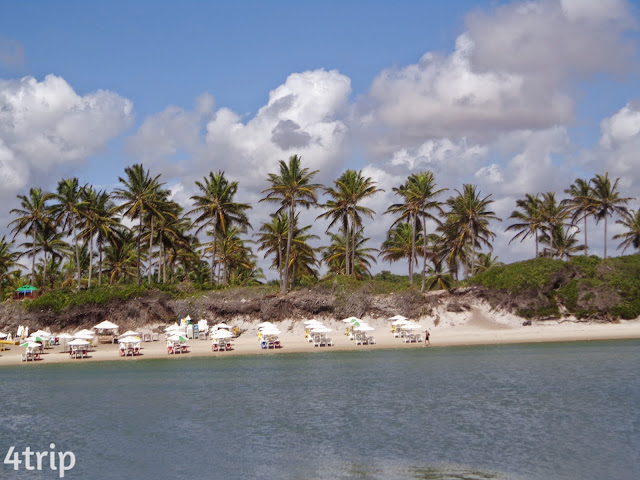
x=177 y=338
x=222 y=334
x=86 y=332
x=411 y=326
x=30 y=344
x=398 y=317
x=270 y=331
x=400 y=322
x=321 y=329
x=106 y=325
x=130 y=333
x=312 y=322
x=265 y=324
x=64 y=336
x=40 y=333
x=130 y=340
x=351 y=320
x=83 y=336
x=78 y=342
x=3 y=335
x=222 y=325
x=364 y=328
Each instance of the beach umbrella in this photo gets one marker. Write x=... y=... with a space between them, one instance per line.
x=41 y=333
x=26 y=289
x=30 y=344
x=222 y=334
x=271 y=331
x=177 y=338
x=398 y=317
x=411 y=326
x=351 y=320
x=33 y=338
x=312 y=322
x=321 y=329
x=3 y=335
x=106 y=325
x=129 y=340
x=222 y=325
x=86 y=332
x=64 y=338
x=130 y=333
x=401 y=322
x=78 y=342
x=364 y=328
x=83 y=336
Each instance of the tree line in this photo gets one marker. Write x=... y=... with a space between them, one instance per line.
x=77 y=236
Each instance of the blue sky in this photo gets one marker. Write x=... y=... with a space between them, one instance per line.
x=516 y=97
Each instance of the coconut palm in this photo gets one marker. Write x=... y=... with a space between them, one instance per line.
x=528 y=219
x=68 y=209
x=171 y=234
x=555 y=219
x=120 y=256
x=343 y=206
x=607 y=201
x=438 y=278
x=399 y=244
x=216 y=210
x=50 y=242
x=33 y=215
x=272 y=238
x=563 y=241
x=292 y=188
x=468 y=221
x=485 y=261
x=334 y=255
x=581 y=204
x=8 y=262
x=140 y=194
x=631 y=238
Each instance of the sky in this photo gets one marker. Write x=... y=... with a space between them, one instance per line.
x=515 y=97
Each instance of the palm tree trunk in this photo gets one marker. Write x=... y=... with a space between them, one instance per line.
x=44 y=273
x=424 y=254
x=280 y=260
x=150 y=253
x=285 y=283
x=99 y=263
x=139 y=240
x=605 y=237
x=75 y=239
x=353 y=252
x=213 y=253
x=347 y=245
x=413 y=247
x=537 y=254
x=33 y=258
x=90 y=256
x=586 y=245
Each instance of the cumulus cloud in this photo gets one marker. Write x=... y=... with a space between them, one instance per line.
x=47 y=128
x=619 y=145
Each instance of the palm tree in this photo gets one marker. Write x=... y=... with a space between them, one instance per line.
x=50 y=242
x=291 y=188
x=272 y=238
x=421 y=189
x=528 y=219
x=485 y=261
x=439 y=278
x=349 y=190
x=68 y=209
x=564 y=242
x=607 y=201
x=140 y=195
x=216 y=209
x=335 y=259
x=399 y=244
x=34 y=214
x=554 y=217
x=581 y=204
x=171 y=234
x=8 y=261
x=630 y=238
x=120 y=256
x=468 y=220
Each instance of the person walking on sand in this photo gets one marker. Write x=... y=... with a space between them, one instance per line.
x=427 y=342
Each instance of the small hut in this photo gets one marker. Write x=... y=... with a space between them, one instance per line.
x=25 y=291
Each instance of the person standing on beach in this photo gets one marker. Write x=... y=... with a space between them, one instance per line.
x=427 y=342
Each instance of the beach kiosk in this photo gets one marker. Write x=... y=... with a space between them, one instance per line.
x=106 y=331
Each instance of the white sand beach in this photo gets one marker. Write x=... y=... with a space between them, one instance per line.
x=477 y=326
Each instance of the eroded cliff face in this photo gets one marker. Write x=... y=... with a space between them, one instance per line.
x=157 y=308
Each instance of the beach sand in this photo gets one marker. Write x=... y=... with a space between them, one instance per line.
x=476 y=326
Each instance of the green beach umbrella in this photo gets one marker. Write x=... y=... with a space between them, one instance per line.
x=26 y=289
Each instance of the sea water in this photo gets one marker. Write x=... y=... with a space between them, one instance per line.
x=546 y=411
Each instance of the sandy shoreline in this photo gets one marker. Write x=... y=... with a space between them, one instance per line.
x=476 y=328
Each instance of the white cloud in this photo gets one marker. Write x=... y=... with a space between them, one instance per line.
x=47 y=124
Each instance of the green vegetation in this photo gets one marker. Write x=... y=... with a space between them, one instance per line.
x=58 y=300
x=584 y=286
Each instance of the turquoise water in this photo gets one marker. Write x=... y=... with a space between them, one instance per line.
x=555 y=411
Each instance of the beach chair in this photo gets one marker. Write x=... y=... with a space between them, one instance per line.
x=136 y=349
x=122 y=350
